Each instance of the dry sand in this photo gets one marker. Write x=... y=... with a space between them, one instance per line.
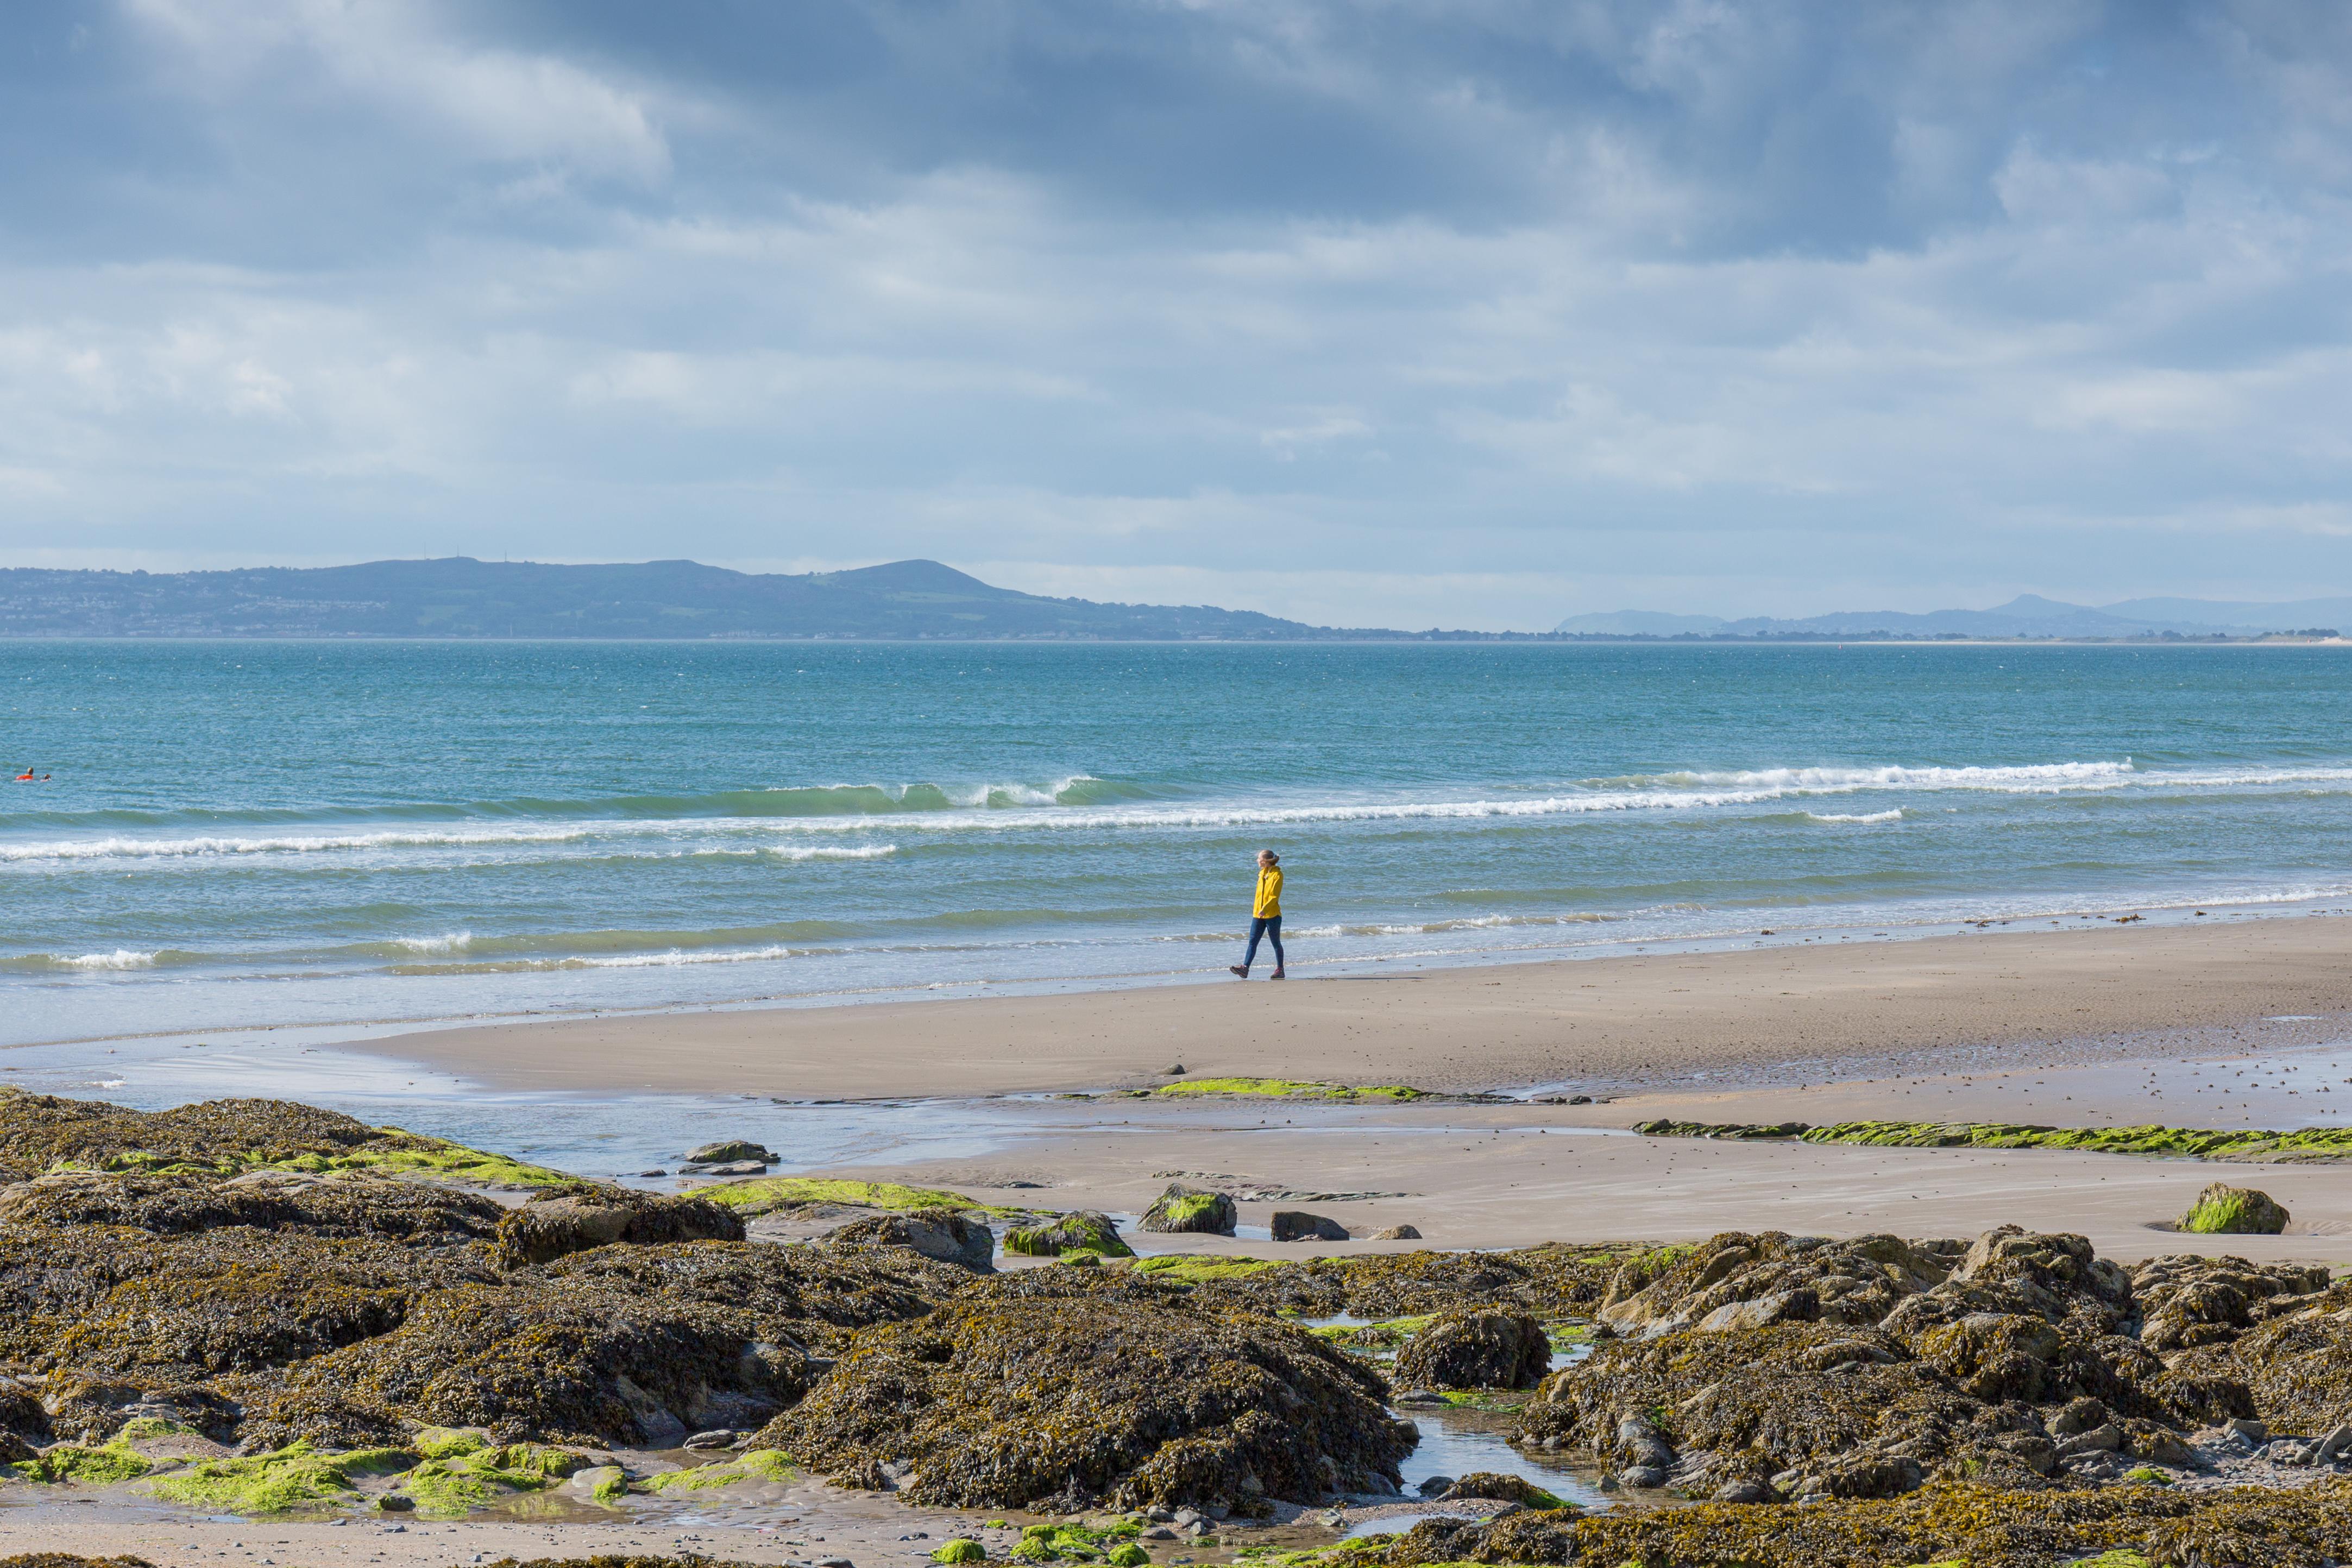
x=1773 y=1012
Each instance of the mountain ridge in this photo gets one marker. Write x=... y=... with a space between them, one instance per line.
x=459 y=597
x=2027 y=615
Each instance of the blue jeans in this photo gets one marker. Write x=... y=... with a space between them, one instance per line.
x=1270 y=927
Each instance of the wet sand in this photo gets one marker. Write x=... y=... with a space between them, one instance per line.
x=1770 y=1013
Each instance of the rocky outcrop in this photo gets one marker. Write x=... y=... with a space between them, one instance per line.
x=1475 y=1350
x=2225 y=1210
x=1086 y=1231
x=957 y=1239
x=1191 y=1210
x=578 y=1216
x=1297 y=1225
x=1055 y=1390
x=1862 y=1368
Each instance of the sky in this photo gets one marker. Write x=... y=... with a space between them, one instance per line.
x=1465 y=313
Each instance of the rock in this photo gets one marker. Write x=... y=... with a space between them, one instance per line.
x=949 y=1238
x=1086 y=1231
x=1579 y=1099
x=1191 y=1210
x=393 y=1502
x=1493 y=1487
x=598 y=1483
x=2098 y=1439
x=731 y=1168
x=1747 y=1491
x=2255 y=1433
x=728 y=1152
x=2225 y=1210
x=1060 y=1390
x=577 y=1216
x=1396 y=1233
x=1175 y=1071
x=1297 y=1225
x=1158 y=1532
x=1476 y=1350
x=717 y=1437
x=960 y=1550
x=1435 y=1486
x=2191 y=1300
x=1643 y=1478
x=2336 y=1442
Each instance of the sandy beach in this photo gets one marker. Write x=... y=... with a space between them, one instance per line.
x=2082 y=1026
x=1805 y=1012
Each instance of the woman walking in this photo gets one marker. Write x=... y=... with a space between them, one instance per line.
x=1266 y=915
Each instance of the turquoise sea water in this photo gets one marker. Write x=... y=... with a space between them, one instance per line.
x=257 y=832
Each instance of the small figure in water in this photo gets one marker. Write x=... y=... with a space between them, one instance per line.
x=1266 y=915
x=25 y=777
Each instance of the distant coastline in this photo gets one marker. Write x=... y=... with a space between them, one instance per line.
x=461 y=599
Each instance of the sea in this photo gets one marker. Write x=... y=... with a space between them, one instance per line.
x=229 y=835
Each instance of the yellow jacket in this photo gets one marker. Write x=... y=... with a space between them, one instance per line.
x=1269 y=892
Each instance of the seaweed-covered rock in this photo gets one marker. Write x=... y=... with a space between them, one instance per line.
x=345 y=1205
x=114 y=1300
x=1297 y=1225
x=1944 y=1522
x=1804 y=1277
x=1193 y=1210
x=2225 y=1210
x=2294 y=1367
x=588 y=1363
x=1548 y=1282
x=955 y=1238
x=2189 y=1301
x=1854 y=1369
x=578 y=1216
x=730 y=1151
x=1055 y=1388
x=1475 y=1350
x=1086 y=1231
x=42 y=1132
x=811 y=1295
x=1397 y=1233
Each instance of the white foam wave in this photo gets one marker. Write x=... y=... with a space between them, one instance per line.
x=119 y=848
x=830 y=852
x=1893 y=816
x=674 y=958
x=454 y=942
x=121 y=958
x=1038 y=812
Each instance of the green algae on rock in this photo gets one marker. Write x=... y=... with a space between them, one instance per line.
x=1086 y=1230
x=958 y=1550
x=1004 y=1396
x=1735 y=1132
x=765 y=1194
x=1183 y=1209
x=463 y=1470
x=279 y=1481
x=230 y=1137
x=2225 y=1210
x=1291 y=1089
x=105 y=1465
x=768 y=1465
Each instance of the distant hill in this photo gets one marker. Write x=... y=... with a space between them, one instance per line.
x=2028 y=615
x=461 y=597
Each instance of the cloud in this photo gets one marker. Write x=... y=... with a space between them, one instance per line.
x=1453 y=310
